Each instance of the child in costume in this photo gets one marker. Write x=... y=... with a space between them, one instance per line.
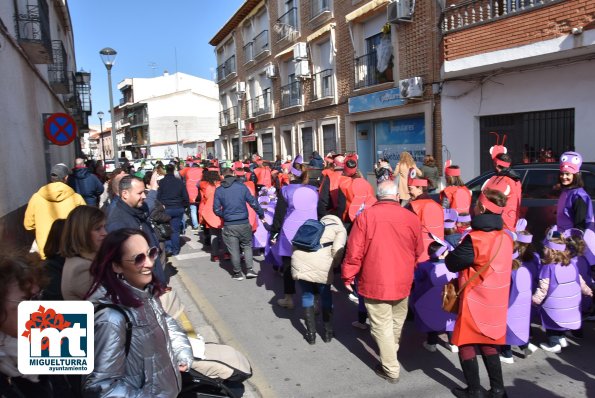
x=430 y=278
x=451 y=235
x=456 y=195
x=575 y=209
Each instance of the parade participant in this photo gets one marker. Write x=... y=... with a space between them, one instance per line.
x=54 y=262
x=174 y=196
x=451 y=235
x=580 y=247
x=383 y=171
x=507 y=181
x=429 y=212
x=430 y=171
x=426 y=298
x=51 y=202
x=262 y=173
x=575 y=209
x=192 y=176
x=296 y=203
x=85 y=183
x=464 y=223
x=83 y=234
x=355 y=192
x=483 y=262
x=383 y=247
x=559 y=292
x=456 y=195
x=241 y=176
x=132 y=209
x=406 y=163
x=123 y=276
x=314 y=271
x=230 y=204
x=207 y=217
x=329 y=187
x=316 y=161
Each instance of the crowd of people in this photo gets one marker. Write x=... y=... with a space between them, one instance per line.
x=109 y=240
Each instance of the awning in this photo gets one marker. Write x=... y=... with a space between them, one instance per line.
x=371 y=6
x=320 y=32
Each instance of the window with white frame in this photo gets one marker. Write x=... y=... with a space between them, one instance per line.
x=329 y=138
x=247 y=35
x=373 y=52
x=308 y=142
x=323 y=70
x=261 y=31
x=291 y=93
x=226 y=60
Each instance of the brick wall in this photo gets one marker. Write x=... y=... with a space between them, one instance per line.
x=527 y=27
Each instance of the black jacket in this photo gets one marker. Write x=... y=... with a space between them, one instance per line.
x=86 y=184
x=172 y=192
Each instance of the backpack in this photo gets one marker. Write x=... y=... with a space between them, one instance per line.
x=307 y=237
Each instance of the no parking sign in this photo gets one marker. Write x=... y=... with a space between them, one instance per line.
x=60 y=128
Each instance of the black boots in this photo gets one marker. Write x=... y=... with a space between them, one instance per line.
x=471 y=373
x=327 y=317
x=494 y=368
x=310 y=319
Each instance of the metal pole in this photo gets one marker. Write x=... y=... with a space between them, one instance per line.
x=111 y=105
x=101 y=136
x=177 y=142
x=240 y=138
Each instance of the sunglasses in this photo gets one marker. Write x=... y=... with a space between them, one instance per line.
x=140 y=259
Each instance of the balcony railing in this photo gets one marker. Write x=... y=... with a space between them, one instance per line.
x=474 y=12
x=286 y=26
x=291 y=95
x=226 y=68
x=366 y=71
x=323 y=84
x=138 y=118
x=248 y=52
x=261 y=105
x=57 y=72
x=317 y=7
x=228 y=116
x=261 y=43
x=83 y=91
x=33 y=32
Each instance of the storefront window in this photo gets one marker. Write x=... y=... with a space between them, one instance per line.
x=398 y=135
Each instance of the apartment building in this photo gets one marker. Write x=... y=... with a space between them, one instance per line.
x=39 y=78
x=166 y=116
x=520 y=68
x=327 y=75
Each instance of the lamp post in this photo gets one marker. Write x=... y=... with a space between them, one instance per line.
x=108 y=56
x=177 y=141
x=100 y=116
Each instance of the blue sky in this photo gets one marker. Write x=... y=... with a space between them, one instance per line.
x=145 y=32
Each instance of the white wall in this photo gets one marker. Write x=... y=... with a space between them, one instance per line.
x=561 y=87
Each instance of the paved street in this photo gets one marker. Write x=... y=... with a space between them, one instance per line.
x=243 y=314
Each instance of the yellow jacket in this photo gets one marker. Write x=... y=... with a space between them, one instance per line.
x=53 y=201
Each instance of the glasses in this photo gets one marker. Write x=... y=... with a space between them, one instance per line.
x=139 y=259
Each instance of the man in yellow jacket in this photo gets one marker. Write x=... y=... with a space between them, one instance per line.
x=53 y=201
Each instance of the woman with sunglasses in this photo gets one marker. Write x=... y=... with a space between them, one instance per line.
x=158 y=349
x=83 y=233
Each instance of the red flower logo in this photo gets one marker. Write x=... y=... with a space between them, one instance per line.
x=43 y=319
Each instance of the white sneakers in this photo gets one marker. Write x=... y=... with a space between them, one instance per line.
x=452 y=347
x=551 y=348
x=508 y=360
x=563 y=342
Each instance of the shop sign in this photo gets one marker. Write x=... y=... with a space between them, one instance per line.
x=398 y=135
x=377 y=100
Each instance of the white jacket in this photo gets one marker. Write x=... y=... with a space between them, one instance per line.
x=317 y=266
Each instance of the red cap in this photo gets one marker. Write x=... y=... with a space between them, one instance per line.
x=238 y=167
x=494 y=208
x=350 y=167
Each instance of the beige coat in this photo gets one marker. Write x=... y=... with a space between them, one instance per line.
x=76 y=278
x=317 y=266
x=402 y=170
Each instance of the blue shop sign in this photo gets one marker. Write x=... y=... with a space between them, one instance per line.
x=380 y=99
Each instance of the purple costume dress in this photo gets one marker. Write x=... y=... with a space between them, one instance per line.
x=560 y=310
x=302 y=203
x=584 y=270
x=261 y=235
x=427 y=298
x=565 y=219
x=534 y=268
x=519 y=307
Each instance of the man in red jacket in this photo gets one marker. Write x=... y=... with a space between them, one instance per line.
x=383 y=248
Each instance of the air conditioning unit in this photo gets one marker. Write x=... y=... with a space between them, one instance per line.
x=302 y=68
x=400 y=11
x=300 y=51
x=240 y=87
x=411 y=88
x=271 y=73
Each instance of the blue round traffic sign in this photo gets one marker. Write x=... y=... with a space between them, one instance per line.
x=60 y=128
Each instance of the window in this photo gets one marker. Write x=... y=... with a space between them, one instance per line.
x=539 y=184
x=307 y=142
x=329 y=138
x=323 y=78
x=267 y=146
x=374 y=55
x=317 y=7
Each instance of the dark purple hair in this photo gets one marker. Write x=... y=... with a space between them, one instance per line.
x=103 y=275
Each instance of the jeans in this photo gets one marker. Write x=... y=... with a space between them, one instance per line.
x=234 y=237
x=176 y=214
x=309 y=289
x=194 y=215
x=553 y=336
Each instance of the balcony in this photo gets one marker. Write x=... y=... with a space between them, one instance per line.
x=138 y=118
x=291 y=95
x=228 y=116
x=474 y=12
x=323 y=84
x=317 y=7
x=82 y=81
x=248 y=53
x=33 y=32
x=367 y=74
x=260 y=105
x=226 y=68
x=261 y=43
x=286 y=25
x=57 y=73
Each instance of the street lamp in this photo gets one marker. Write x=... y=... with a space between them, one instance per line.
x=108 y=56
x=177 y=141
x=240 y=97
x=100 y=116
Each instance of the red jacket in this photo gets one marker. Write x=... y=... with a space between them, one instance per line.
x=383 y=248
x=192 y=176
